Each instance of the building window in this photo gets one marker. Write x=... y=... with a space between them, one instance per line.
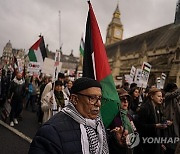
x=178 y=54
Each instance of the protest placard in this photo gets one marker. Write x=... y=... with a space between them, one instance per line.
x=137 y=78
x=163 y=78
x=34 y=67
x=146 y=68
x=49 y=68
x=158 y=82
x=132 y=73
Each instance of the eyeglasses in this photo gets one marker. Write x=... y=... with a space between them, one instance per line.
x=93 y=99
x=123 y=99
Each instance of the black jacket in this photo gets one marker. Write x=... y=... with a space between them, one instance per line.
x=147 y=120
x=60 y=135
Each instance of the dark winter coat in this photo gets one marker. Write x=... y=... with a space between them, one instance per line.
x=147 y=120
x=60 y=135
x=172 y=109
x=17 y=90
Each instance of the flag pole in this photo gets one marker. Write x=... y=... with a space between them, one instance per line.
x=59 y=29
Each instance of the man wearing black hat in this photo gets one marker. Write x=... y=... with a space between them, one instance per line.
x=77 y=128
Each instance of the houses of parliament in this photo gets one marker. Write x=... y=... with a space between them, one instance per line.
x=159 y=47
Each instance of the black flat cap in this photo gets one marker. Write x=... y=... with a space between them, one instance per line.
x=84 y=83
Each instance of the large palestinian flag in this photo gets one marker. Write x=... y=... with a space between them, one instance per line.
x=95 y=65
x=37 y=52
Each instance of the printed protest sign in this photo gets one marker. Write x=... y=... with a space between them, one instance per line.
x=163 y=78
x=158 y=82
x=137 y=78
x=33 y=67
x=132 y=73
x=146 y=68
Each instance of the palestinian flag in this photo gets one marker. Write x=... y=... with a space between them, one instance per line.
x=81 y=47
x=146 y=67
x=96 y=66
x=37 y=52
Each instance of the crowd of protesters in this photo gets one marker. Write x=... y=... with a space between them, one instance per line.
x=155 y=114
x=147 y=113
x=38 y=94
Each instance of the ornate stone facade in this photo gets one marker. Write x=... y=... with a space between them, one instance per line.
x=159 y=47
x=8 y=55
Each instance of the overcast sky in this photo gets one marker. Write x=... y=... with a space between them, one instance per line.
x=21 y=21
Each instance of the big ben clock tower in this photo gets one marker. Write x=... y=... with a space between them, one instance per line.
x=115 y=28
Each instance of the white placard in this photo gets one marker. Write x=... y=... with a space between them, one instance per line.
x=137 y=78
x=163 y=79
x=146 y=68
x=49 y=68
x=133 y=72
x=33 y=67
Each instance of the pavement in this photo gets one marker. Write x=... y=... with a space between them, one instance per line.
x=17 y=139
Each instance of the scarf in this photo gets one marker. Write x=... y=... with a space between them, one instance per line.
x=125 y=121
x=59 y=97
x=93 y=136
x=19 y=82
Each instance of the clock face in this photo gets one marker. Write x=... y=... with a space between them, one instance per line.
x=117 y=33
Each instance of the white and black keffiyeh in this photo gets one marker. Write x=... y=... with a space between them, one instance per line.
x=93 y=136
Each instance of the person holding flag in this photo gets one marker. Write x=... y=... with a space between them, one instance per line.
x=78 y=127
x=96 y=66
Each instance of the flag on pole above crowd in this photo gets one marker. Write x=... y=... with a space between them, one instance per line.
x=37 y=52
x=96 y=66
x=81 y=47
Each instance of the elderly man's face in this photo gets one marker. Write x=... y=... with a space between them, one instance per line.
x=89 y=102
x=19 y=76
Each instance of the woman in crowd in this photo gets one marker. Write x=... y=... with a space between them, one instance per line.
x=122 y=120
x=67 y=90
x=53 y=101
x=134 y=100
x=151 y=122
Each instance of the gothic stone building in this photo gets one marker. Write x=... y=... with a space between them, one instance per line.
x=159 y=47
x=9 y=53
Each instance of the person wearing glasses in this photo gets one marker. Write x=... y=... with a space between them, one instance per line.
x=77 y=128
x=124 y=122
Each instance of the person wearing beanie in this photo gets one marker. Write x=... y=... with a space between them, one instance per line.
x=53 y=101
x=77 y=128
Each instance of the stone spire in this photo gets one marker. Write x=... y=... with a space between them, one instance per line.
x=177 y=14
x=115 y=28
x=116 y=16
